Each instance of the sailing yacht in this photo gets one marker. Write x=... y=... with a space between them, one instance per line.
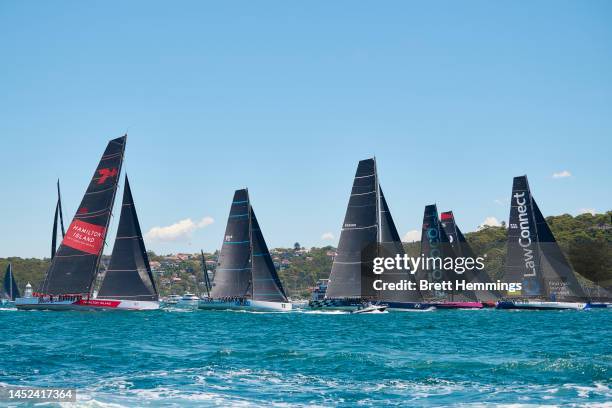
x=368 y=229
x=11 y=291
x=435 y=243
x=246 y=277
x=128 y=282
x=535 y=259
x=461 y=248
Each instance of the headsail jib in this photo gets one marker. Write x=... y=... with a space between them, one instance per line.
x=129 y=274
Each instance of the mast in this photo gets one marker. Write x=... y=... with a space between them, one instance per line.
x=54 y=233
x=110 y=213
x=251 y=287
x=378 y=207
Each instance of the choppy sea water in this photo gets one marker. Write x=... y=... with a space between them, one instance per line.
x=440 y=358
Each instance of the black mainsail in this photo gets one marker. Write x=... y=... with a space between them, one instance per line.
x=360 y=229
x=368 y=231
x=233 y=275
x=461 y=248
x=246 y=269
x=431 y=247
x=11 y=291
x=59 y=216
x=75 y=264
x=129 y=274
x=534 y=257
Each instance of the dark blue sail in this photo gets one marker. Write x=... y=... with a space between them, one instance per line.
x=75 y=264
x=266 y=282
x=58 y=218
x=359 y=230
x=461 y=248
x=559 y=280
x=11 y=290
x=207 y=283
x=129 y=274
x=390 y=245
x=233 y=275
x=523 y=256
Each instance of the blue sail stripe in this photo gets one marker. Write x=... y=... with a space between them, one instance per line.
x=236 y=242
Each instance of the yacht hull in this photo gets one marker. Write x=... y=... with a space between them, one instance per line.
x=409 y=306
x=244 y=304
x=541 y=305
x=85 y=304
x=459 y=305
x=600 y=305
x=335 y=304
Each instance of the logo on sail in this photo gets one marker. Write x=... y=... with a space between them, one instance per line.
x=525 y=240
x=105 y=174
x=85 y=237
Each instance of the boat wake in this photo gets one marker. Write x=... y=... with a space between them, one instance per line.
x=325 y=312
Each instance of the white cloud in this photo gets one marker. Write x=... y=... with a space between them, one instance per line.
x=179 y=230
x=587 y=211
x=562 y=174
x=491 y=222
x=328 y=236
x=500 y=202
x=412 y=236
x=205 y=222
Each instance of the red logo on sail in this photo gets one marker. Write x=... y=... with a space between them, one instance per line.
x=105 y=174
x=85 y=237
x=446 y=216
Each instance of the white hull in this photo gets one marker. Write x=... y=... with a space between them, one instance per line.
x=247 y=304
x=34 y=303
x=542 y=305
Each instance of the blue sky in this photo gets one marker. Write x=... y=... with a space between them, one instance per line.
x=453 y=98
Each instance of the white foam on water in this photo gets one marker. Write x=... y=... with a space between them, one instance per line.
x=585 y=391
x=326 y=312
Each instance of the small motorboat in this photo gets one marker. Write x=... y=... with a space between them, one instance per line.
x=370 y=308
x=172 y=299
x=189 y=301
